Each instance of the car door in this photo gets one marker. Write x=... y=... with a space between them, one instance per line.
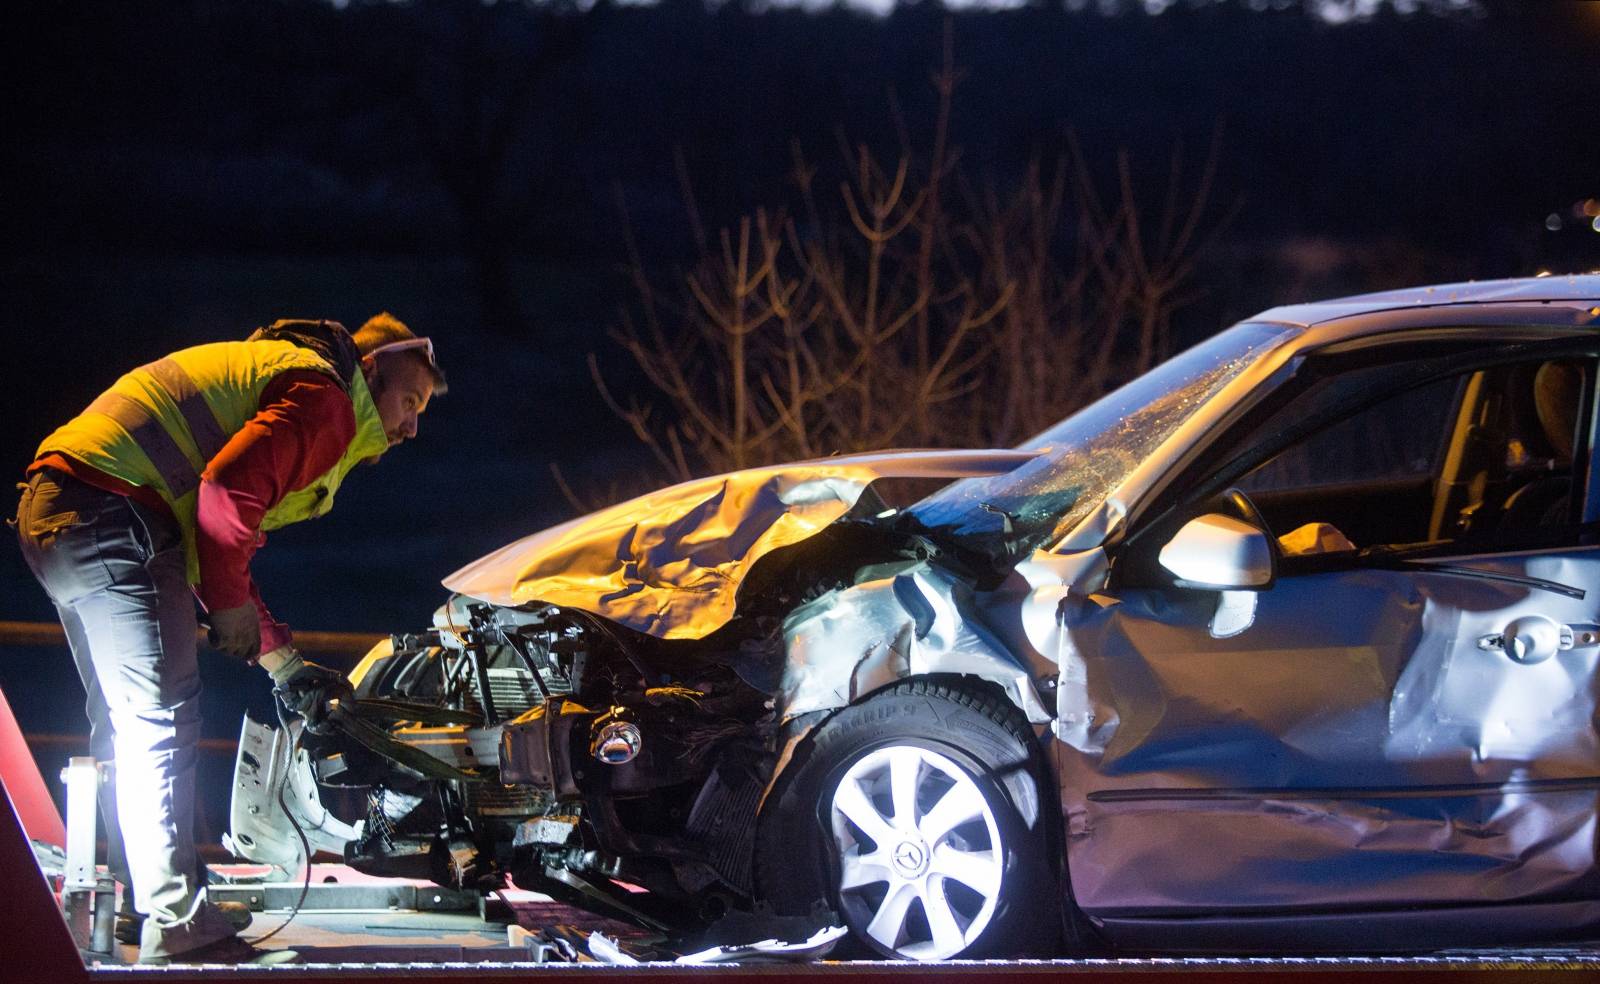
x=1359 y=735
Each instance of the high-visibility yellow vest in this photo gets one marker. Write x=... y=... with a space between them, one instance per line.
x=161 y=424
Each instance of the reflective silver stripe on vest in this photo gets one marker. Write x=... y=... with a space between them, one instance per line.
x=203 y=426
x=158 y=445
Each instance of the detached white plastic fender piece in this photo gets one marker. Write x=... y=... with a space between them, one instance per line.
x=606 y=950
x=268 y=761
x=815 y=948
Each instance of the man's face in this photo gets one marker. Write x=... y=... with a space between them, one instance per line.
x=401 y=388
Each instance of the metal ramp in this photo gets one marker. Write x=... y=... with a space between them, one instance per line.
x=371 y=930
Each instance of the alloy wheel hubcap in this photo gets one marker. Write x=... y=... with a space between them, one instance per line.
x=920 y=857
x=910 y=858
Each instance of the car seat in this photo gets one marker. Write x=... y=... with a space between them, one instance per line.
x=1543 y=501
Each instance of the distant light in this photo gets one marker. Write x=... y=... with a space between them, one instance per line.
x=1542 y=273
x=1354 y=11
x=1595 y=225
x=1553 y=222
x=1591 y=206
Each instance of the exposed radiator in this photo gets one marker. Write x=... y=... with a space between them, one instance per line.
x=724 y=822
x=491 y=799
x=513 y=689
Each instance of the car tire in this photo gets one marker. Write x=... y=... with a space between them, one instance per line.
x=918 y=816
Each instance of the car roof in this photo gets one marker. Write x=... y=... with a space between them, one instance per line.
x=1578 y=287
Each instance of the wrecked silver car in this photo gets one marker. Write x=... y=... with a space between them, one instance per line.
x=1288 y=645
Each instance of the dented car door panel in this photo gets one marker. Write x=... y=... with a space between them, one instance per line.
x=1355 y=746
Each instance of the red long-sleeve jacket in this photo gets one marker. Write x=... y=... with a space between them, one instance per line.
x=303 y=423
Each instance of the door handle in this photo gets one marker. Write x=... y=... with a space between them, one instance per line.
x=1535 y=638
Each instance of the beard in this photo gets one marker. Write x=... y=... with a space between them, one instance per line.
x=378 y=386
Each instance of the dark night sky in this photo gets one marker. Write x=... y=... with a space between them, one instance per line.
x=179 y=173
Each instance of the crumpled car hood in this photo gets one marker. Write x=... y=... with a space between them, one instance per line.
x=669 y=564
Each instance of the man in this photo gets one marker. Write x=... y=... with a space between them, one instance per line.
x=160 y=492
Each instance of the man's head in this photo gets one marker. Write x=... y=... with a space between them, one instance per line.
x=401 y=372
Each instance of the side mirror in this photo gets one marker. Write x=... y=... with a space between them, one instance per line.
x=1219 y=553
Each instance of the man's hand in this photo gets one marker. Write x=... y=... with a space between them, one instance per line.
x=237 y=631
x=305 y=688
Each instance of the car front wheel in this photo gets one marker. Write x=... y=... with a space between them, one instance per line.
x=917 y=816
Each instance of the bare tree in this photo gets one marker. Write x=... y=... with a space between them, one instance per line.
x=919 y=308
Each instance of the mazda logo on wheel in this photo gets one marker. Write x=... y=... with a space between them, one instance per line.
x=909 y=857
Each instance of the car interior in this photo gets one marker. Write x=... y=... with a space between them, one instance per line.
x=1477 y=459
x=1408 y=470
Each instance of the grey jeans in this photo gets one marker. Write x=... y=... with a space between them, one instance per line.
x=115 y=571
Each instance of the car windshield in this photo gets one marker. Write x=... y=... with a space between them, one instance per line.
x=1094 y=450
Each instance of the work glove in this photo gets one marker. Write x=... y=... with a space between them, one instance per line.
x=305 y=688
x=236 y=631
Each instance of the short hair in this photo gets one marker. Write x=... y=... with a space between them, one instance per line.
x=384 y=329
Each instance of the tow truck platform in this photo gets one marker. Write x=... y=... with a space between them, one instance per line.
x=383 y=930
x=344 y=926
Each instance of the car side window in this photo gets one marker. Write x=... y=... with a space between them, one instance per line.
x=1485 y=456
x=1401 y=438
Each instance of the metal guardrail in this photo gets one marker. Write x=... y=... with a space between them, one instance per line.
x=319 y=643
x=51 y=635
x=78 y=744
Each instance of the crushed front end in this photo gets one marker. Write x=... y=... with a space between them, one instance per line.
x=596 y=762
x=613 y=750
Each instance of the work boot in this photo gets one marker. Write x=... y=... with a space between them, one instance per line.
x=229 y=950
x=130 y=924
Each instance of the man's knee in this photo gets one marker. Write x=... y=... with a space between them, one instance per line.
x=158 y=709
